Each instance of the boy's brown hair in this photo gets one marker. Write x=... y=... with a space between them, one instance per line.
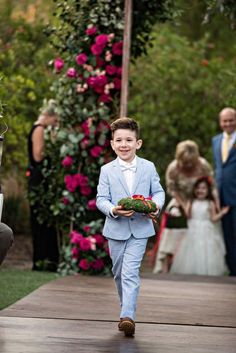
x=125 y=123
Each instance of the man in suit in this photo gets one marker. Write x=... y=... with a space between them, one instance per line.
x=127 y=231
x=224 y=152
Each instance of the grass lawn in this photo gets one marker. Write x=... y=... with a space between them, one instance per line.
x=16 y=284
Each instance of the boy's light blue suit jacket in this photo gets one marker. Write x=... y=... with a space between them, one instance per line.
x=112 y=187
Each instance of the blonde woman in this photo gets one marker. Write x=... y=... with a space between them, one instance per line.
x=181 y=175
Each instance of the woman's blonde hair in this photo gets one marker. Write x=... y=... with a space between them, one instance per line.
x=49 y=107
x=187 y=149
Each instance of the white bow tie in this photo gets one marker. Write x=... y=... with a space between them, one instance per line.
x=133 y=168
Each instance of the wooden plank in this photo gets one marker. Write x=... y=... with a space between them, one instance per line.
x=126 y=58
x=160 y=301
x=45 y=336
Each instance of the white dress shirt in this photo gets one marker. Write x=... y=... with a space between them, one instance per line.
x=129 y=175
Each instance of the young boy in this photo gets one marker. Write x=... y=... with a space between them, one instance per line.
x=127 y=231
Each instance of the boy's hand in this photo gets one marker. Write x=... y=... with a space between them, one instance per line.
x=153 y=215
x=120 y=212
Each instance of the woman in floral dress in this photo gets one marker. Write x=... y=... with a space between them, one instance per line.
x=181 y=175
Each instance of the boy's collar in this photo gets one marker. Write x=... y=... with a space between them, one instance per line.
x=121 y=162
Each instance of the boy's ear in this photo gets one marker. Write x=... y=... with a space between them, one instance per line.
x=112 y=143
x=139 y=144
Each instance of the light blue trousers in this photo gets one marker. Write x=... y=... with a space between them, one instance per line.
x=126 y=258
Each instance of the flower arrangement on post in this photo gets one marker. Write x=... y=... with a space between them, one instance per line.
x=88 y=92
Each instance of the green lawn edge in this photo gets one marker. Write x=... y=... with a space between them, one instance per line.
x=16 y=284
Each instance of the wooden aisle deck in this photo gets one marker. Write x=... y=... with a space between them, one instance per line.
x=79 y=314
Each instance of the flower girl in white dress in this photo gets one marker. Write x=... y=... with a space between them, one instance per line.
x=202 y=252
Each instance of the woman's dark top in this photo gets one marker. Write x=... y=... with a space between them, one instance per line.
x=34 y=168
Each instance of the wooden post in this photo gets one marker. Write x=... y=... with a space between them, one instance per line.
x=126 y=58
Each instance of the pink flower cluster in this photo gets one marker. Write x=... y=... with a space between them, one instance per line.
x=75 y=180
x=67 y=162
x=104 y=76
x=97 y=264
x=81 y=245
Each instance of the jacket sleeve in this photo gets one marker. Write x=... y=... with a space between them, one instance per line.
x=157 y=192
x=103 y=198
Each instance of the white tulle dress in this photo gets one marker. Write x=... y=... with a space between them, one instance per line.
x=202 y=251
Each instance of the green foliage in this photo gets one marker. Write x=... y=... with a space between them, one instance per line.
x=227 y=7
x=26 y=79
x=177 y=92
x=138 y=204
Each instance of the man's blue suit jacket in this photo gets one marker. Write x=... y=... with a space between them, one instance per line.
x=112 y=187
x=225 y=173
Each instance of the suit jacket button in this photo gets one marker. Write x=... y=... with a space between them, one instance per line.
x=131 y=219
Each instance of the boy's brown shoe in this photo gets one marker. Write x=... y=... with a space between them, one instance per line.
x=119 y=325
x=128 y=326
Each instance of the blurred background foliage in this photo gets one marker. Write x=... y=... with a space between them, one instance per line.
x=176 y=92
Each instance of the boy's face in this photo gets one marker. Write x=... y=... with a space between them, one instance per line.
x=228 y=122
x=125 y=144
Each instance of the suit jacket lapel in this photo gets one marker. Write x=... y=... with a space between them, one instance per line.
x=232 y=150
x=118 y=173
x=138 y=175
x=218 y=147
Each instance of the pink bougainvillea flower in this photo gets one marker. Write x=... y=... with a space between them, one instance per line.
x=91 y=31
x=84 y=143
x=89 y=68
x=71 y=183
x=117 y=48
x=92 y=243
x=83 y=180
x=119 y=71
x=101 y=80
x=102 y=39
x=75 y=237
x=84 y=265
x=108 y=56
x=71 y=72
x=105 y=98
x=103 y=126
x=85 y=190
x=99 y=62
x=99 y=239
x=85 y=244
x=106 y=248
x=67 y=162
x=96 y=151
x=87 y=229
x=96 y=49
x=85 y=127
x=98 y=264
x=81 y=59
x=66 y=201
x=111 y=69
x=97 y=83
x=111 y=36
x=58 y=64
x=92 y=204
x=75 y=253
x=91 y=81
x=117 y=83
